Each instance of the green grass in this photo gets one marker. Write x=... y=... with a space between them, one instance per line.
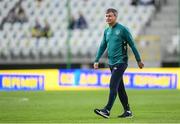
x=148 y=106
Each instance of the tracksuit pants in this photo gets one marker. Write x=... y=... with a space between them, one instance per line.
x=117 y=86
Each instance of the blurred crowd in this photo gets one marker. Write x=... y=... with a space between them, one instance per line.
x=79 y=23
x=39 y=31
x=16 y=14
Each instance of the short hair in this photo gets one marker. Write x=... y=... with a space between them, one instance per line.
x=114 y=11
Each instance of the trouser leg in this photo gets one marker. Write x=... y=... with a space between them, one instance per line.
x=123 y=96
x=117 y=74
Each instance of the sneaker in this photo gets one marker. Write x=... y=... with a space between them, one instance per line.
x=126 y=114
x=102 y=112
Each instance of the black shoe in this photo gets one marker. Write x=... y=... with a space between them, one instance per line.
x=126 y=114
x=102 y=112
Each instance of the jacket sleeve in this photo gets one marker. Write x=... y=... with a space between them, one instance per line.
x=102 y=48
x=128 y=37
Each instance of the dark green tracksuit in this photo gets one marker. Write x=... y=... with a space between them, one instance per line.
x=115 y=39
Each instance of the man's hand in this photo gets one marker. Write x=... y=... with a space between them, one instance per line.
x=141 y=65
x=96 y=65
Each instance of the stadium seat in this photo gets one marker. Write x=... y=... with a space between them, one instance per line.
x=82 y=42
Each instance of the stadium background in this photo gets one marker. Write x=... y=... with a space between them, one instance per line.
x=37 y=59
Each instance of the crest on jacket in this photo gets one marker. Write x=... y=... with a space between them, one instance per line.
x=117 y=32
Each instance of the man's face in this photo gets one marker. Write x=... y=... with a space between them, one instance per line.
x=110 y=18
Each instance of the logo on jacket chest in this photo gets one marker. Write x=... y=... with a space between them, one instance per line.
x=117 y=32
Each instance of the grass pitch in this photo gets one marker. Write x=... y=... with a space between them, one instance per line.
x=148 y=106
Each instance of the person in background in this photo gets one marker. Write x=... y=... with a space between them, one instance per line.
x=37 y=29
x=21 y=15
x=81 y=22
x=72 y=23
x=46 y=30
x=134 y=2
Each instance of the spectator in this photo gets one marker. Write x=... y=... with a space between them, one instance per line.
x=21 y=16
x=156 y=3
x=37 y=29
x=46 y=31
x=16 y=14
x=72 y=23
x=81 y=22
x=134 y=2
x=11 y=17
x=146 y=2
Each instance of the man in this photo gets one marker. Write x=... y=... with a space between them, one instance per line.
x=115 y=39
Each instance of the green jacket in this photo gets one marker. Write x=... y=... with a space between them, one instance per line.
x=115 y=39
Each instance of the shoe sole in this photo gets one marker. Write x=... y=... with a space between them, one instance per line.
x=98 y=113
x=127 y=117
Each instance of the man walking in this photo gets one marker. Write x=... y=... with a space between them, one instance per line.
x=115 y=39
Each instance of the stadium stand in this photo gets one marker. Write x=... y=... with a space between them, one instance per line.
x=18 y=46
x=165 y=25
